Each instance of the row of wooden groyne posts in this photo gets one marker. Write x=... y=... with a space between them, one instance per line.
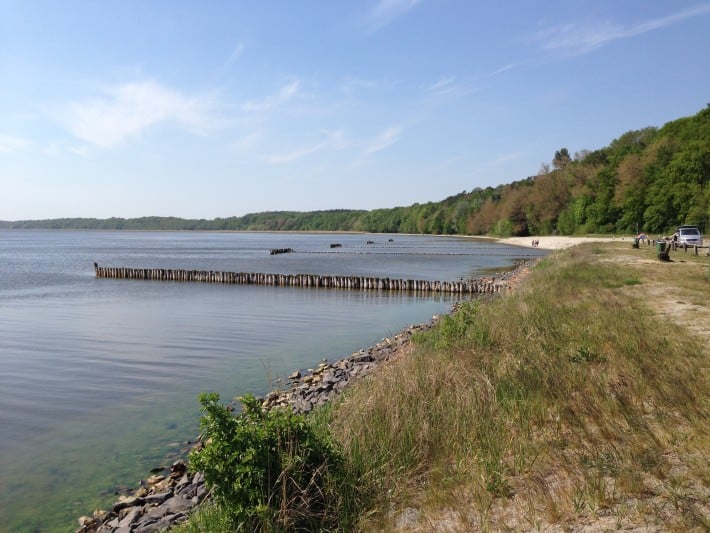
x=472 y=286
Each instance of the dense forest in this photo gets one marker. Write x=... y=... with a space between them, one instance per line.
x=649 y=180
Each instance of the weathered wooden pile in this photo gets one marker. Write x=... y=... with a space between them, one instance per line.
x=471 y=286
x=276 y=251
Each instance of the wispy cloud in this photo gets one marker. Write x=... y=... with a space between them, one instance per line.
x=384 y=139
x=236 y=52
x=81 y=151
x=335 y=140
x=498 y=71
x=449 y=86
x=286 y=93
x=248 y=141
x=577 y=39
x=352 y=84
x=125 y=111
x=443 y=85
x=233 y=57
x=10 y=143
x=505 y=158
x=59 y=148
x=385 y=11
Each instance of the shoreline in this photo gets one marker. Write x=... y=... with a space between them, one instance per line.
x=553 y=242
x=166 y=497
x=547 y=242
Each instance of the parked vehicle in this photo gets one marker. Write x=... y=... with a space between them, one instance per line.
x=689 y=235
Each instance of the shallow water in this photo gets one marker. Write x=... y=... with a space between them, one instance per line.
x=99 y=377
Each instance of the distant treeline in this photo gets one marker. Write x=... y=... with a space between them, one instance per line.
x=646 y=180
x=271 y=221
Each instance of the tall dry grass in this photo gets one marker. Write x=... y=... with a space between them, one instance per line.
x=568 y=401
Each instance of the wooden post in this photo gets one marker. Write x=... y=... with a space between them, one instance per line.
x=304 y=280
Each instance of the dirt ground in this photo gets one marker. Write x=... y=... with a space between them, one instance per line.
x=668 y=286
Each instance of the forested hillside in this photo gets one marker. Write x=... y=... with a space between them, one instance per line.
x=646 y=180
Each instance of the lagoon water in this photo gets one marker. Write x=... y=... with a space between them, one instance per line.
x=99 y=377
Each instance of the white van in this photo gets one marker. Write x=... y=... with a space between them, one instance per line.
x=689 y=235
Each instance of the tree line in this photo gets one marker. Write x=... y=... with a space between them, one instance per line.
x=649 y=180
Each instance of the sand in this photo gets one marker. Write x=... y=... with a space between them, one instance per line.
x=557 y=242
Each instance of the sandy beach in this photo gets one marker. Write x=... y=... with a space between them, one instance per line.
x=550 y=242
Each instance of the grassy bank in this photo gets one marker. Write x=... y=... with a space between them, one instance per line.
x=580 y=399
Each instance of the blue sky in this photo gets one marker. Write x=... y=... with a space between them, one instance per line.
x=216 y=109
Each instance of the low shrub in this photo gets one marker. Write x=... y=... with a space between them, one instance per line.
x=270 y=470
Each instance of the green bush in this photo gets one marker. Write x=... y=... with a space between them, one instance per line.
x=453 y=329
x=270 y=470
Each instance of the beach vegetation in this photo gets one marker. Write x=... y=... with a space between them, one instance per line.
x=269 y=470
x=579 y=399
x=573 y=400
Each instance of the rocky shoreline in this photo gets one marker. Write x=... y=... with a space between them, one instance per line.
x=168 y=496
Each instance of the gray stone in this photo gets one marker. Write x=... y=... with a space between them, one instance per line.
x=202 y=491
x=328 y=377
x=184 y=481
x=105 y=528
x=178 y=467
x=149 y=526
x=178 y=504
x=131 y=516
x=162 y=524
x=361 y=358
x=86 y=521
x=158 y=497
x=154 y=514
x=303 y=405
x=128 y=501
x=408 y=519
x=188 y=491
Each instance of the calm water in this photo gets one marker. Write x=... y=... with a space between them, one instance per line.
x=99 y=378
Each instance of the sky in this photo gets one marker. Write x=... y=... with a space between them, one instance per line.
x=217 y=109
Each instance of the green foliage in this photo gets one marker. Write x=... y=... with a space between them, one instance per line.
x=503 y=228
x=586 y=355
x=562 y=158
x=270 y=470
x=646 y=180
x=452 y=328
x=207 y=517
